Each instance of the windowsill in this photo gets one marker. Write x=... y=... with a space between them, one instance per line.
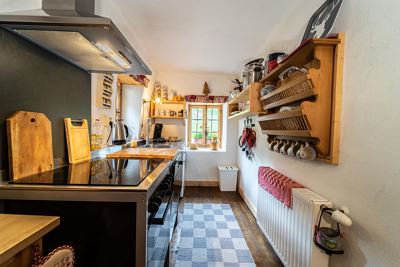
x=205 y=150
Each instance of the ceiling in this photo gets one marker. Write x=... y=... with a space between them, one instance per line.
x=213 y=36
x=199 y=36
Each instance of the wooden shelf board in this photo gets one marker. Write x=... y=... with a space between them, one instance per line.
x=167 y=117
x=243 y=114
x=242 y=96
x=300 y=56
x=291 y=99
x=126 y=79
x=286 y=86
x=171 y=102
x=281 y=115
x=287 y=133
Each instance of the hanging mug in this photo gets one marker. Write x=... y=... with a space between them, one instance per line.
x=277 y=146
x=285 y=148
x=298 y=153
x=308 y=152
x=282 y=149
x=271 y=143
x=274 y=143
x=293 y=149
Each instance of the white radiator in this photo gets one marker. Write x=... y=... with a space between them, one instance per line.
x=290 y=231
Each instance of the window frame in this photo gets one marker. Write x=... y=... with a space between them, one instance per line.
x=205 y=108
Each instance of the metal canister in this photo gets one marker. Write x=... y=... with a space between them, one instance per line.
x=246 y=78
x=253 y=71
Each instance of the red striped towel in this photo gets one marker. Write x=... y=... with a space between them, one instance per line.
x=277 y=184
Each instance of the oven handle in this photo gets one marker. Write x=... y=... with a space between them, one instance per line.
x=160 y=221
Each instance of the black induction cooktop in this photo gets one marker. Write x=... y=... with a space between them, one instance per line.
x=103 y=172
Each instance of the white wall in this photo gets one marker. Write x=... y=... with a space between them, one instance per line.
x=11 y=5
x=132 y=102
x=202 y=166
x=367 y=178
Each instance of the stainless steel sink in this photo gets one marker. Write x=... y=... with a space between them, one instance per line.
x=158 y=146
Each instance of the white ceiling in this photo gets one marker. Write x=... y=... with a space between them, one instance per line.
x=200 y=36
x=214 y=36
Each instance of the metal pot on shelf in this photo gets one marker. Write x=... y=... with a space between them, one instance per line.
x=256 y=74
x=253 y=72
x=246 y=78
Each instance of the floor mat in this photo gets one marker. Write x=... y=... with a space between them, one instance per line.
x=211 y=236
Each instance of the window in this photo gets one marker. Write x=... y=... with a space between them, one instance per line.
x=204 y=123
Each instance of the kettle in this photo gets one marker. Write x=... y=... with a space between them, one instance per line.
x=119 y=132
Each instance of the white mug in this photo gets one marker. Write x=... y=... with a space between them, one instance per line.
x=308 y=152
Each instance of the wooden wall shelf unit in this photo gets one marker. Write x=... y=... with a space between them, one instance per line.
x=316 y=93
x=251 y=93
x=176 y=106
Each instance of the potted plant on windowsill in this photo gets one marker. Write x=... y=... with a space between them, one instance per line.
x=214 y=143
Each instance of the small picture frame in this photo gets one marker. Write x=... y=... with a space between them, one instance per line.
x=322 y=21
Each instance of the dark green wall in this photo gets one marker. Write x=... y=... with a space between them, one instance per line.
x=31 y=79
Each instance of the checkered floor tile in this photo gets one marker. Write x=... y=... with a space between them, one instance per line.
x=211 y=236
x=157 y=245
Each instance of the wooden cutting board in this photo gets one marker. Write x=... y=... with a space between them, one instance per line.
x=77 y=132
x=30 y=145
x=144 y=153
x=79 y=173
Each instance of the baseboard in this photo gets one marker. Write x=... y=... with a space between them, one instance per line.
x=250 y=205
x=202 y=183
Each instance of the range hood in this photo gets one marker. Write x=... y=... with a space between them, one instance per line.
x=71 y=30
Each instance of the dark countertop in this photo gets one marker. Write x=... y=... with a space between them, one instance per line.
x=87 y=192
x=79 y=173
x=99 y=172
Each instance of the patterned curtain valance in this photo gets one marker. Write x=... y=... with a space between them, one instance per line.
x=206 y=99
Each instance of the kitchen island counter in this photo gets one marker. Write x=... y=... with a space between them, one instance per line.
x=114 y=217
x=147 y=185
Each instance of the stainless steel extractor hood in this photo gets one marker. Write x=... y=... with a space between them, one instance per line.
x=71 y=30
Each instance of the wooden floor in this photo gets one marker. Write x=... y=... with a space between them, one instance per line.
x=261 y=250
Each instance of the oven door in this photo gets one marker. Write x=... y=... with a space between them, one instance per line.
x=179 y=173
x=175 y=207
x=177 y=169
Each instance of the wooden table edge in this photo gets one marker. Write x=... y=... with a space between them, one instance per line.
x=29 y=240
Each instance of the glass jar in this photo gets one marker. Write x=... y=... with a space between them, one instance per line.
x=97 y=135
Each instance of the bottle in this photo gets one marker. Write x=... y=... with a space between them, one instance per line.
x=97 y=135
x=214 y=143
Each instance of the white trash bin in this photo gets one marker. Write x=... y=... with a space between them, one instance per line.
x=228 y=177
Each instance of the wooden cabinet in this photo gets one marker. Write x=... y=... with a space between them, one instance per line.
x=317 y=93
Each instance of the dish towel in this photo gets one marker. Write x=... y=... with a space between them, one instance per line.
x=277 y=184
